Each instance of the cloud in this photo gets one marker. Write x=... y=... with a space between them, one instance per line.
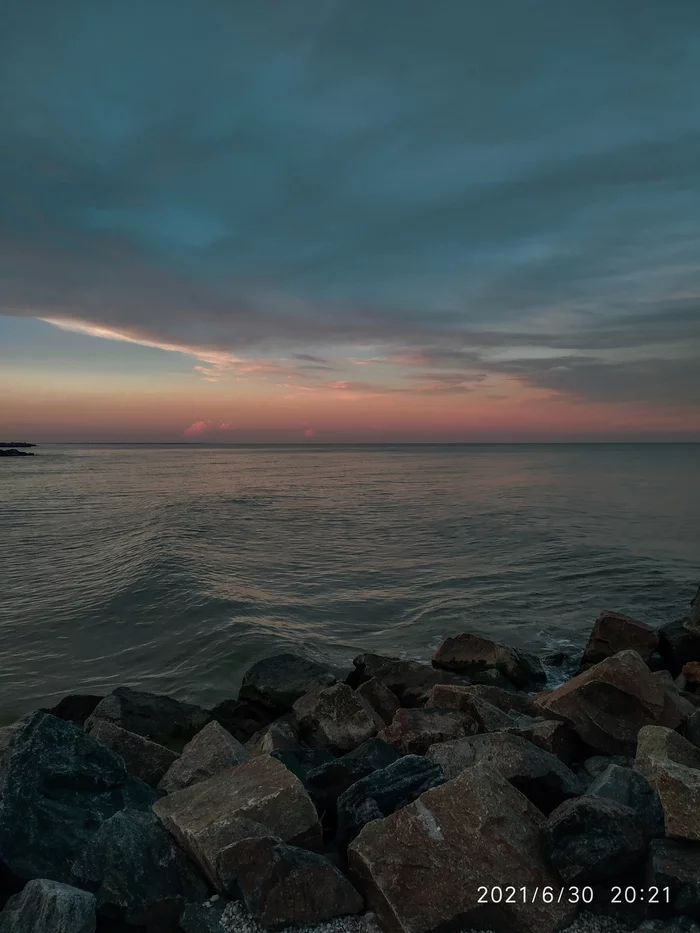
x=199 y=427
x=309 y=432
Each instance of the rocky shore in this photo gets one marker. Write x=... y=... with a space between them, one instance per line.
x=397 y=796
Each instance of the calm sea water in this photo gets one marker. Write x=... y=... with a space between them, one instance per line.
x=173 y=568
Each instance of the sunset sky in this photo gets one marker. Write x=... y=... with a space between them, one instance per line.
x=337 y=220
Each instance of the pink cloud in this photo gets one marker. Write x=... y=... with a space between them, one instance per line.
x=225 y=425
x=309 y=432
x=199 y=427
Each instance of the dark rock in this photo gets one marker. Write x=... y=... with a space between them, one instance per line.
x=137 y=872
x=413 y=731
x=676 y=865
x=333 y=718
x=300 y=761
x=281 y=734
x=144 y=759
x=553 y=737
x=615 y=632
x=631 y=789
x=597 y=764
x=385 y=791
x=205 y=817
x=158 y=718
x=671 y=764
x=242 y=718
x=13 y=452
x=541 y=777
x=489 y=718
x=212 y=750
x=60 y=785
x=49 y=907
x=694 y=615
x=409 y=681
x=692 y=729
x=510 y=701
x=206 y=917
x=471 y=654
x=278 y=682
x=679 y=643
x=691 y=676
x=592 y=839
x=76 y=707
x=675 y=925
x=283 y=885
x=378 y=700
x=424 y=868
x=609 y=703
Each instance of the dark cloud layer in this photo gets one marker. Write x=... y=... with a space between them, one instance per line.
x=451 y=182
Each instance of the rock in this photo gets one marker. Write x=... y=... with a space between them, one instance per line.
x=692 y=729
x=489 y=718
x=679 y=643
x=143 y=758
x=301 y=761
x=76 y=707
x=551 y=736
x=670 y=764
x=597 y=764
x=541 y=777
x=691 y=676
x=694 y=617
x=333 y=718
x=203 y=817
x=608 y=704
x=281 y=734
x=279 y=681
x=49 y=907
x=283 y=885
x=675 y=925
x=677 y=705
x=378 y=700
x=676 y=865
x=210 y=916
x=137 y=872
x=592 y=839
x=510 y=701
x=409 y=681
x=631 y=789
x=413 y=731
x=242 y=718
x=158 y=718
x=470 y=654
x=60 y=785
x=425 y=867
x=614 y=632
x=384 y=792
x=211 y=751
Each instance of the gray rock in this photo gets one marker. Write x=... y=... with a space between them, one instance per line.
x=692 y=729
x=424 y=867
x=211 y=751
x=631 y=789
x=676 y=865
x=137 y=872
x=378 y=700
x=158 y=718
x=679 y=643
x=413 y=731
x=283 y=885
x=470 y=654
x=488 y=717
x=597 y=764
x=509 y=701
x=409 y=681
x=384 y=792
x=206 y=917
x=205 y=817
x=242 y=718
x=540 y=776
x=615 y=632
x=282 y=734
x=671 y=764
x=592 y=839
x=60 y=785
x=278 y=682
x=301 y=761
x=676 y=925
x=551 y=736
x=49 y=907
x=327 y=782
x=333 y=718
x=145 y=759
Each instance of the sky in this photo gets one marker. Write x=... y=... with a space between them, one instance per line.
x=349 y=220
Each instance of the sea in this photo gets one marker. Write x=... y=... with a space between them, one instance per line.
x=172 y=568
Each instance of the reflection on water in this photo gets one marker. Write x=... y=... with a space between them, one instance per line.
x=171 y=568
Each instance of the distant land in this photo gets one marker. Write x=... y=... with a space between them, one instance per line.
x=16 y=444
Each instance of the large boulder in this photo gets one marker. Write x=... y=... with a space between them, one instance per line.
x=691 y=729
x=676 y=865
x=45 y=906
x=471 y=654
x=551 y=735
x=302 y=760
x=281 y=734
x=205 y=817
x=542 y=777
x=211 y=751
x=409 y=681
x=384 y=792
x=488 y=717
x=378 y=700
x=413 y=731
x=592 y=839
x=615 y=632
x=509 y=701
x=333 y=718
x=137 y=873
x=277 y=682
x=158 y=718
x=679 y=643
x=242 y=718
x=631 y=789
x=609 y=703
x=283 y=885
x=145 y=759
x=425 y=868
x=672 y=766
x=60 y=785
x=75 y=708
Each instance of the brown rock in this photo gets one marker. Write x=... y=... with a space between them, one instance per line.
x=691 y=673
x=510 y=701
x=471 y=654
x=672 y=766
x=615 y=632
x=334 y=718
x=423 y=867
x=409 y=681
x=488 y=717
x=552 y=736
x=205 y=817
x=212 y=750
x=657 y=743
x=413 y=731
x=378 y=700
x=147 y=760
x=608 y=704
